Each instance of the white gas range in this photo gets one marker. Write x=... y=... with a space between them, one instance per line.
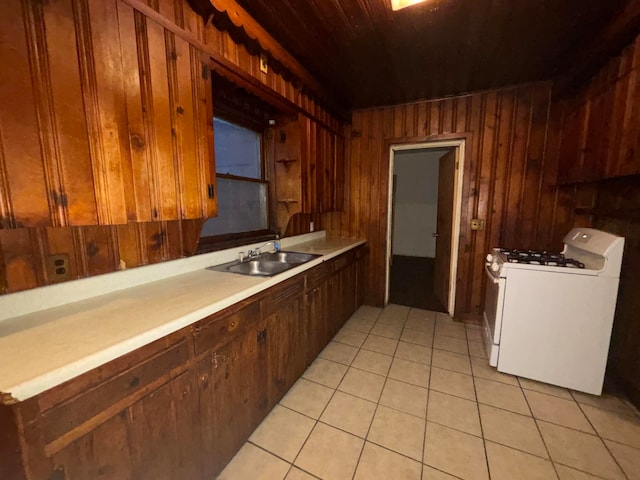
x=548 y=317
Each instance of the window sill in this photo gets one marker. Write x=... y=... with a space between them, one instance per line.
x=222 y=242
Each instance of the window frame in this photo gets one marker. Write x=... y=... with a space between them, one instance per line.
x=214 y=243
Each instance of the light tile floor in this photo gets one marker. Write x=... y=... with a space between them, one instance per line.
x=403 y=393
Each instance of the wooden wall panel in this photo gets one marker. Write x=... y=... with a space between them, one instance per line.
x=143 y=101
x=92 y=250
x=506 y=178
x=103 y=99
x=614 y=206
x=63 y=131
x=26 y=201
x=600 y=132
x=599 y=147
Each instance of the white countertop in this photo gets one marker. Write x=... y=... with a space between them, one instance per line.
x=42 y=349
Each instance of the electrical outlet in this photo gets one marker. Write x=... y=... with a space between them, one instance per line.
x=58 y=267
x=477 y=224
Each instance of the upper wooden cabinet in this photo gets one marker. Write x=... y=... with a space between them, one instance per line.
x=309 y=168
x=106 y=118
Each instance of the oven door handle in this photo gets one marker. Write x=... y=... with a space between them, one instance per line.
x=490 y=274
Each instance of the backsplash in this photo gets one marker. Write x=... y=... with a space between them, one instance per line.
x=91 y=250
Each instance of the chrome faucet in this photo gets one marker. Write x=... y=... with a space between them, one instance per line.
x=256 y=251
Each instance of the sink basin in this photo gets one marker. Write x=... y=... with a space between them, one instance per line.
x=288 y=257
x=266 y=264
x=260 y=268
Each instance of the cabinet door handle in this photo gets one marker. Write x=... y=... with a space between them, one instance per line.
x=211 y=192
x=262 y=336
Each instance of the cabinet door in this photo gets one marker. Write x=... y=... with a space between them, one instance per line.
x=164 y=432
x=233 y=396
x=342 y=292
x=106 y=118
x=158 y=437
x=361 y=256
x=349 y=290
x=103 y=453
x=317 y=318
x=286 y=346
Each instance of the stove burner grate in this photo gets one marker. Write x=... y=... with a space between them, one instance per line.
x=536 y=257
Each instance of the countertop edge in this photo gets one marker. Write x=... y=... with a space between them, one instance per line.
x=35 y=386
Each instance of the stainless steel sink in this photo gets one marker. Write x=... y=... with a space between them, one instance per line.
x=295 y=258
x=266 y=264
x=260 y=268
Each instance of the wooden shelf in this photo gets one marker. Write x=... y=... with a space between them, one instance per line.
x=287 y=202
x=287 y=162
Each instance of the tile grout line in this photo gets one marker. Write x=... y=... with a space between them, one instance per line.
x=375 y=411
x=393 y=357
x=602 y=439
x=426 y=413
x=317 y=421
x=430 y=366
x=535 y=422
x=475 y=391
x=291 y=465
x=355 y=470
x=431 y=421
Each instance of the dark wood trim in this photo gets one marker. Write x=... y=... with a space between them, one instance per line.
x=228 y=69
x=222 y=242
x=621 y=380
x=235 y=105
x=441 y=137
x=253 y=31
x=617 y=34
x=228 y=176
x=467 y=137
x=630 y=214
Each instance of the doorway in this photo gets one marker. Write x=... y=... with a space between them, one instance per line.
x=423 y=225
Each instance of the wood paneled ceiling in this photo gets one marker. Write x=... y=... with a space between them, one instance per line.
x=369 y=55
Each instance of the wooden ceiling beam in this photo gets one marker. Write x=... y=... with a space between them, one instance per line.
x=619 y=33
x=255 y=32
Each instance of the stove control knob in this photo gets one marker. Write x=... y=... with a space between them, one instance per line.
x=489 y=258
x=495 y=266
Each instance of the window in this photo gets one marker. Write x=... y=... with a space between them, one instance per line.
x=242 y=190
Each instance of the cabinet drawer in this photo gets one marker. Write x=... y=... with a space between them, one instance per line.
x=67 y=416
x=361 y=251
x=281 y=294
x=342 y=261
x=220 y=328
x=317 y=275
x=40 y=404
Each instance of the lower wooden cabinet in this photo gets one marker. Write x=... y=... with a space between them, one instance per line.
x=155 y=438
x=181 y=407
x=317 y=324
x=105 y=452
x=286 y=341
x=233 y=396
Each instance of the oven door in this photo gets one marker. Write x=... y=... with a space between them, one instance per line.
x=493 y=305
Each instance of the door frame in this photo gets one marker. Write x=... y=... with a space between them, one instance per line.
x=459 y=145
